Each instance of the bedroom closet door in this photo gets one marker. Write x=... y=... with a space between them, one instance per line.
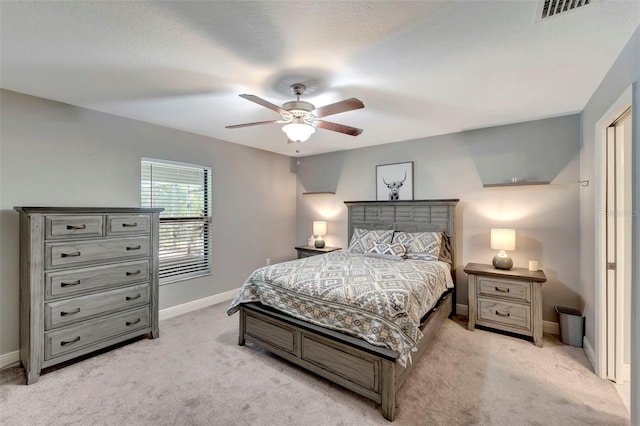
x=618 y=248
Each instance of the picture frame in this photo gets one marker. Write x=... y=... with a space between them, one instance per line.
x=394 y=182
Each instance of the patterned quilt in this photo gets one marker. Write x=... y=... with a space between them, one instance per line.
x=378 y=300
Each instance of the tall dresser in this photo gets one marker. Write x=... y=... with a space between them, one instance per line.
x=88 y=280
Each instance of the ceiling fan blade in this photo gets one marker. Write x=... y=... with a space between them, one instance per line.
x=327 y=125
x=342 y=106
x=267 y=104
x=257 y=123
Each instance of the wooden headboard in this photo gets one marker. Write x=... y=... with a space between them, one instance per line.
x=407 y=216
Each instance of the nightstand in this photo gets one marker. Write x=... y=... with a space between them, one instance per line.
x=308 y=251
x=507 y=300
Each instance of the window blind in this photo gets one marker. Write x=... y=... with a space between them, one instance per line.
x=184 y=191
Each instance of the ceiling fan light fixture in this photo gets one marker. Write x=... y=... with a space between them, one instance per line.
x=298 y=132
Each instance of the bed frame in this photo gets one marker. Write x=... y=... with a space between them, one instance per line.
x=368 y=370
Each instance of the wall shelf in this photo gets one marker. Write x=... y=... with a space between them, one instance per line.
x=523 y=183
x=319 y=193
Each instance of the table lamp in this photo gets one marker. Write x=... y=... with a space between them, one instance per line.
x=319 y=229
x=503 y=239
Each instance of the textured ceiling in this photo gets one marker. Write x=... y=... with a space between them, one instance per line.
x=421 y=68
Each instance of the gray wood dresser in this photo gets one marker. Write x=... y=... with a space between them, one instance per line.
x=507 y=300
x=88 y=280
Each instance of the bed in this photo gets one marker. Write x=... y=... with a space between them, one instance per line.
x=298 y=309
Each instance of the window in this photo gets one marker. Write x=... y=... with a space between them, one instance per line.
x=184 y=191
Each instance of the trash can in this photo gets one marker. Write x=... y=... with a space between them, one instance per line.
x=571 y=325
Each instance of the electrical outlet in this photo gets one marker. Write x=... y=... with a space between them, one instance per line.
x=268 y=261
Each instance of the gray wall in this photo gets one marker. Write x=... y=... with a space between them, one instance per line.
x=54 y=154
x=456 y=166
x=624 y=73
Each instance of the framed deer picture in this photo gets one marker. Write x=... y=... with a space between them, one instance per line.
x=394 y=181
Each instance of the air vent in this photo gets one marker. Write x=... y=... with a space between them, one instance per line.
x=550 y=8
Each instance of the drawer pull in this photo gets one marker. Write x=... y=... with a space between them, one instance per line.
x=133 y=273
x=500 y=314
x=74 y=254
x=76 y=226
x=137 y=296
x=64 y=313
x=69 y=342
x=129 y=225
x=69 y=284
x=133 y=247
x=502 y=290
x=130 y=323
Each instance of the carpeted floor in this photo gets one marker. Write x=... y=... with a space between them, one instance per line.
x=196 y=374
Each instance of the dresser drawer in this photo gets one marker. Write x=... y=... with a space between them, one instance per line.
x=81 y=336
x=508 y=289
x=504 y=313
x=72 y=310
x=58 y=226
x=128 y=224
x=78 y=281
x=78 y=252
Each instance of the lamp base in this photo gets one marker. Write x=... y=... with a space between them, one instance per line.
x=502 y=262
x=319 y=243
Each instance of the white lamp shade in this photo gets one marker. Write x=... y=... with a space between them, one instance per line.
x=298 y=132
x=319 y=228
x=503 y=239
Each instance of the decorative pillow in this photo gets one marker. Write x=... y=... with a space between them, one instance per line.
x=388 y=249
x=363 y=239
x=420 y=245
x=445 y=250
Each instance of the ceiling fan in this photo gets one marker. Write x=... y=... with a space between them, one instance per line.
x=301 y=118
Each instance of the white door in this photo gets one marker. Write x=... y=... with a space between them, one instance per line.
x=618 y=247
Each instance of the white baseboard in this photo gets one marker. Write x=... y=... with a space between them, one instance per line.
x=551 y=327
x=462 y=310
x=9 y=359
x=174 y=311
x=626 y=373
x=548 y=327
x=588 y=349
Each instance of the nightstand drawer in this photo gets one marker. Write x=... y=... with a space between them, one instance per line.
x=508 y=289
x=504 y=313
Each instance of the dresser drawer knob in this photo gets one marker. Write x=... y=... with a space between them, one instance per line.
x=64 y=313
x=502 y=290
x=133 y=273
x=74 y=254
x=69 y=342
x=129 y=225
x=130 y=323
x=137 y=296
x=500 y=314
x=70 y=284
x=133 y=247
x=76 y=226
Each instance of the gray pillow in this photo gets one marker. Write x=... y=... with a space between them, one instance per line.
x=363 y=239
x=420 y=245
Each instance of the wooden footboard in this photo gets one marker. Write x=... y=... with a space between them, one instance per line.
x=368 y=370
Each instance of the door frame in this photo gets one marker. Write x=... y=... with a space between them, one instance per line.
x=616 y=110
